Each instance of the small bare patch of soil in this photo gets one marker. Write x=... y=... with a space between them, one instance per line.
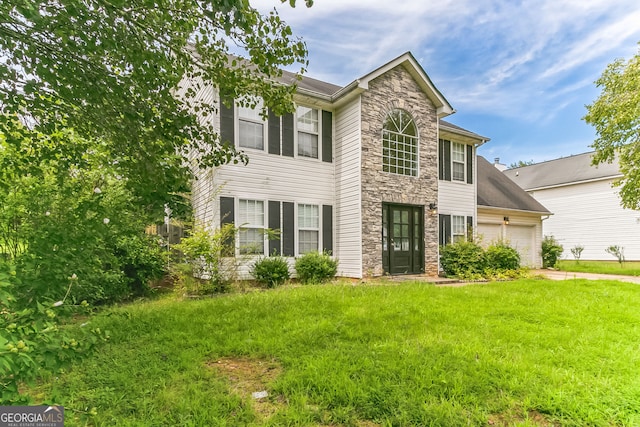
x=509 y=418
x=248 y=376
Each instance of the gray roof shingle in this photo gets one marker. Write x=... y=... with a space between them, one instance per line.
x=496 y=190
x=563 y=171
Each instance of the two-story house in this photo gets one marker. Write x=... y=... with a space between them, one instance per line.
x=368 y=171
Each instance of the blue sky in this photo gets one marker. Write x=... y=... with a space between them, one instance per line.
x=519 y=72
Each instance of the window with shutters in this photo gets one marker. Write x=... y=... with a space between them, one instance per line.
x=400 y=144
x=251 y=222
x=457 y=161
x=308 y=122
x=308 y=228
x=251 y=127
x=458 y=231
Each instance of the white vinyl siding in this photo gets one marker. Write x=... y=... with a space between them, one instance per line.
x=251 y=220
x=308 y=126
x=589 y=214
x=348 y=216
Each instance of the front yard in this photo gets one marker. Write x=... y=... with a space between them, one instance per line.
x=529 y=352
x=629 y=268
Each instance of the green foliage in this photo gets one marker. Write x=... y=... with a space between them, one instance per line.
x=316 y=267
x=616 y=251
x=112 y=72
x=615 y=115
x=501 y=256
x=204 y=265
x=32 y=341
x=464 y=259
x=576 y=251
x=551 y=252
x=521 y=163
x=271 y=271
x=629 y=268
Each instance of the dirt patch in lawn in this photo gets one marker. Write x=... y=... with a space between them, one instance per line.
x=533 y=417
x=250 y=379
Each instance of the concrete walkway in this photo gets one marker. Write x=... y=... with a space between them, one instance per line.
x=569 y=275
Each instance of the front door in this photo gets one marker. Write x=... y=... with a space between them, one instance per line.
x=402 y=239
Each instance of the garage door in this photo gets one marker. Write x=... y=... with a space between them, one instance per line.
x=489 y=233
x=520 y=237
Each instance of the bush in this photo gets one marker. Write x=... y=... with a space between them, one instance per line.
x=616 y=251
x=501 y=256
x=271 y=271
x=316 y=267
x=462 y=259
x=551 y=251
x=205 y=266
x=576 y=251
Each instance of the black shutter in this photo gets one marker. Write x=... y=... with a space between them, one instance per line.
x=274 y=224
x=288 y=229
x=445 y=229
x=327 y=228
x=445 y=160
x=274 y=133
x=469 y=228
x=470 y=160
x=327 y=136
x=287 y=135
x=227 y=206
x=226 y=123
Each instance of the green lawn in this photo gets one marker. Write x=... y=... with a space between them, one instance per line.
x=631 y=268
x=529 y=352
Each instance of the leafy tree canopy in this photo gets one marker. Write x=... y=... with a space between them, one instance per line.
x=616 y=118
x=110 y=70
x=521 y=163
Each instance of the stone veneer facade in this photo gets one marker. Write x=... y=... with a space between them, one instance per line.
x=397 y=89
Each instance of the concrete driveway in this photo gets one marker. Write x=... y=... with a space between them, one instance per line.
x=569 y=275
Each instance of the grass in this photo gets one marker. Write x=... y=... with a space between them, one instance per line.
x=529 y=353
x=630 y=268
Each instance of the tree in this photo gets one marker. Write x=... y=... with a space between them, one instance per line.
x=521 y=163
x=616 y=118
x=110 y=70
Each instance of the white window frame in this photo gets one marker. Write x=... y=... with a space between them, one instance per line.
x=246 y=225
x=251 y=116
x=458 y=228
x=400 y=162
x=462 y=162
x=300 y=129
x=305 y=226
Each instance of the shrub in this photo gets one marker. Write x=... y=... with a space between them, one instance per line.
x=271 y=271
x=462 y=259
x=551 y=251
x=576 y=251
x=501 y=256
x=316 y=267
x=616 y=251
x=205 y=266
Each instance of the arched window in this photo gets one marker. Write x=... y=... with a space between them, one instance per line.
x=400 y=144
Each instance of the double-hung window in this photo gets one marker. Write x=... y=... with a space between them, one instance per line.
x=458 y=228
x=308 y=228
x=251 y=127
x=251 y=221
x=308 y=131
x=457 y=161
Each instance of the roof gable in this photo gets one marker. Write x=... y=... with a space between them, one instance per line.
x=495 y=190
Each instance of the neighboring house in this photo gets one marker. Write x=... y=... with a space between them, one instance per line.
x=587 y=210
x=369 y=172
x=508 y=213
